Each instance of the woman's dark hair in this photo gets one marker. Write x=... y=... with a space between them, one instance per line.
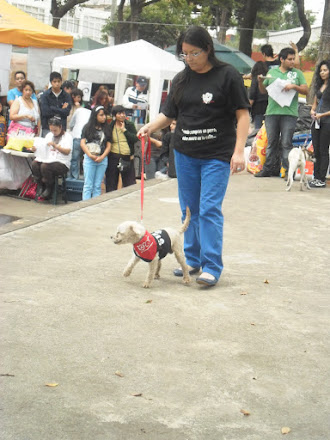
x=117 y=109
x=260 y=68
x=318 y=80
x=90 y=127
x=56 y=121
x=77 y=92
x=199 y=37
x=28 y=83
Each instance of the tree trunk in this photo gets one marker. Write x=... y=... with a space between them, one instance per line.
x=136 y=10
x=324 y=53
x=302 y=43
x=118 y=29
x=324 y=46
x=224 y=21
x=247 y=25
x=58 y=10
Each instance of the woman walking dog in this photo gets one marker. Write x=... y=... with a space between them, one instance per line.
x=207 y=99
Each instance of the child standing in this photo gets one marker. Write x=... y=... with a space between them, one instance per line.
x=96 y=146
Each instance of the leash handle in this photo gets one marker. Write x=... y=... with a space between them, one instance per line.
x=145 y=153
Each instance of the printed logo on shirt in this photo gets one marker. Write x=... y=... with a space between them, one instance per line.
x=292 y=76
x=207 y=97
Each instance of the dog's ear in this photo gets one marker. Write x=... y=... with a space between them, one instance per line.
x=137 y=228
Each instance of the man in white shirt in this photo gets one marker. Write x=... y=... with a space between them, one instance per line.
x=78 y=121
x=135 y=100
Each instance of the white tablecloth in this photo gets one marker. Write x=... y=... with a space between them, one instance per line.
x=14 y=169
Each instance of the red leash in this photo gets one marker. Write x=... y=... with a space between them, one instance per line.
x=147 y=154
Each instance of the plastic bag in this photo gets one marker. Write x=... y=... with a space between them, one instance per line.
x=257 y=156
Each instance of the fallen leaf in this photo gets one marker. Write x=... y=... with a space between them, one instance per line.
x=266 y=282
x=285 y=430
x=149 y=301
x=51 y=385
x=243 y=293
x=246 y=413
x=136 y=394
x=118 y=373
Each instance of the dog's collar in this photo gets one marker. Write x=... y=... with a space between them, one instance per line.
x=146 y=248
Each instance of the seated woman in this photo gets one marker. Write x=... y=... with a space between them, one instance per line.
x=24 y=113
x=55 y=160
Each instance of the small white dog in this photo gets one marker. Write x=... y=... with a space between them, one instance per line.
x=152 y=247
x=297 y=159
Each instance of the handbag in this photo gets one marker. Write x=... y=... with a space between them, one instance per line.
x=123 y=164
x=95 y=148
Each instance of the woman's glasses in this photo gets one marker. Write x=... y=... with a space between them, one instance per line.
x=184 y=56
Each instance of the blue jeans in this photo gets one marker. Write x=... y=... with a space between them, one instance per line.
x=93 y=177
x=258 y=120
x=278 y=126
x=202 y=185
x=75 y=161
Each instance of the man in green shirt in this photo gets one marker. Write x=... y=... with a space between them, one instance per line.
x=280 y=119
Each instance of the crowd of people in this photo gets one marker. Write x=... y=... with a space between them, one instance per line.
x=83 y=132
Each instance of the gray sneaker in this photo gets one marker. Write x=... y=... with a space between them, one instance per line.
x=317 y=184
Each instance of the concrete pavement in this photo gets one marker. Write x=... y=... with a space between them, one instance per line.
x=172 y=362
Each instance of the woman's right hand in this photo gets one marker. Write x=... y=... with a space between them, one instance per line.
x=144 y=131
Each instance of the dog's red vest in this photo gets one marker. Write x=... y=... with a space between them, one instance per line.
x=150 y=244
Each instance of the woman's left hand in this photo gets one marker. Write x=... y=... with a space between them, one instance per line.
x=237 y=163
x=98 y=159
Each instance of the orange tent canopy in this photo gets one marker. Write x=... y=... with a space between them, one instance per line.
x=20 y=29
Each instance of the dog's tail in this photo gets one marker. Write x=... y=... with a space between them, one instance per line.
x=186 y=222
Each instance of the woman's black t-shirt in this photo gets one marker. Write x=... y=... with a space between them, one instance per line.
x=205 y=115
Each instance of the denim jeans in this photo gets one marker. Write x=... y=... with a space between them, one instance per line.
x=155 y=165
x=75 y=161
x=321 y=141
x=257 y=120
x=280 y=129
x=202 y=185
x=93 y=177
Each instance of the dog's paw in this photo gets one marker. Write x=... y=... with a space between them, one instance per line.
x=146 y=285
x=186 y=280
x=127 y=272
x=157 y=276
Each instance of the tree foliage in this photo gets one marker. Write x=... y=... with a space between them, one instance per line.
x=159 y=23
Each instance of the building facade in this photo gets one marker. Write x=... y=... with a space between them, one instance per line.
x=85 y=20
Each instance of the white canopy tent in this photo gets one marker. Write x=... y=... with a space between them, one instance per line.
x=135 y=58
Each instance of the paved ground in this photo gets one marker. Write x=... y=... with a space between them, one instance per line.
x=187 y=359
